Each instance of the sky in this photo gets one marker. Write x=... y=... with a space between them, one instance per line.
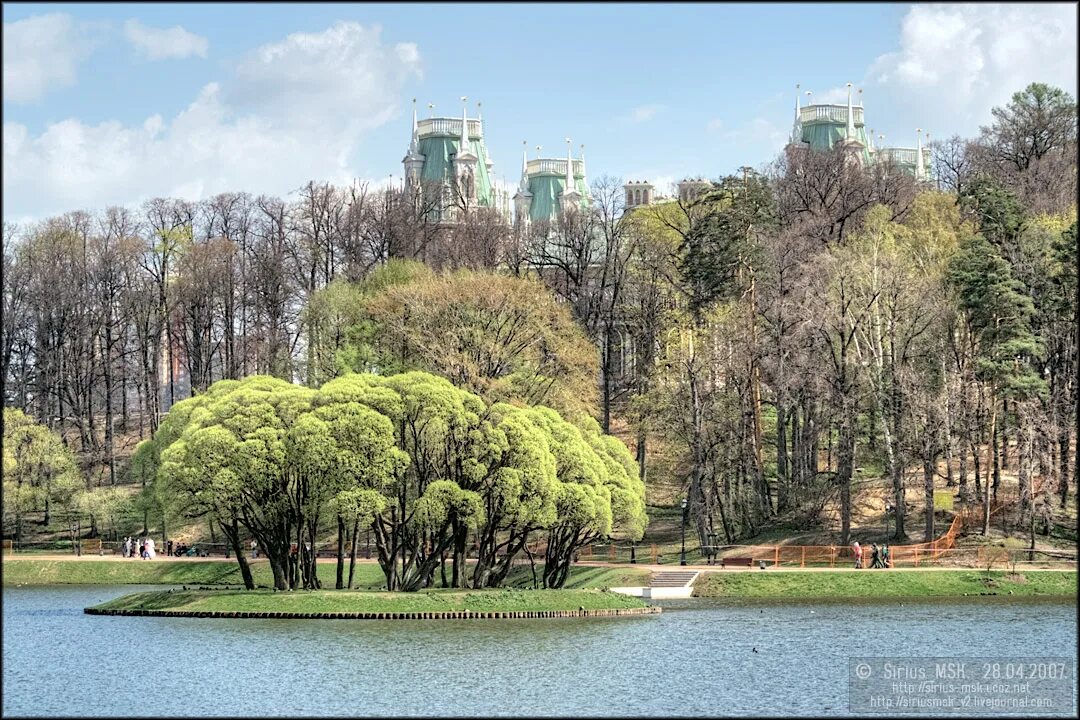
x=112 y=104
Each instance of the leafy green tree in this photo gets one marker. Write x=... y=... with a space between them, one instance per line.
x=1030 y=147
x=361 y=462
x=39 y=470
x=998 y=313
x=504 y=338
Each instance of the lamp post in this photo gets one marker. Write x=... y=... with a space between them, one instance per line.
x=888 y=514
x=682 y=554
x=712 y=548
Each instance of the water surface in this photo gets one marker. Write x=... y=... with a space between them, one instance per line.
x=697 y=658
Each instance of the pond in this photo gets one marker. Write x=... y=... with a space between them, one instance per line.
x=699 y=657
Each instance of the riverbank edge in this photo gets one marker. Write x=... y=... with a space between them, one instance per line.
x=432 y=615
x=857 y=585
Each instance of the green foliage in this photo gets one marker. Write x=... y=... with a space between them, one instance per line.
x=502 y=337
x=38 y=469
x=109 y=506
x=717 y=240
x=999 y=313
x=351 y=601
x=877 y=584
x=411 y=455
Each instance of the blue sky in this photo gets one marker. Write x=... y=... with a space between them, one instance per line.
x=113 y=103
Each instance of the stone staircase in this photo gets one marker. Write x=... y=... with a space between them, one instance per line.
x=673 y=578
x=672 y=584
x=665 y=584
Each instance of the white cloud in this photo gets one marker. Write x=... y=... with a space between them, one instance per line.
x=164 y=43
x=955 y=62
x=42 y=53
x=759 y=131
x=642 y=113
x=293 y=111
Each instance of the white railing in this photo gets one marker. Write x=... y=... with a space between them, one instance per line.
x=448 y=126
x=542 y=166
x=832 y=113
x=899 y=156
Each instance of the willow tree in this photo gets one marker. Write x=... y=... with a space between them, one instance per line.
x=597 y=491
x=39 y=470
x=361 y=462
x=518 y=490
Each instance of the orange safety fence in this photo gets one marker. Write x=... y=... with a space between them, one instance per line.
x=941 y=548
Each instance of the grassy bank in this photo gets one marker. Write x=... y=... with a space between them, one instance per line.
x=882 y=584
x=331 y=601
x=33 y=571
x=38 y=571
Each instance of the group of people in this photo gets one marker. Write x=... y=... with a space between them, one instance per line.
x=182 y=549
x=143 y=546
x=879 y=557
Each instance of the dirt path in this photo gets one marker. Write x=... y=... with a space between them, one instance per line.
x=585 y=563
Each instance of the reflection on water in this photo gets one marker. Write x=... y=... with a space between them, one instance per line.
x=697 y=658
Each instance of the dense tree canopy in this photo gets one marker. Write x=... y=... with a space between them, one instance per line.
x=39 y=472
x=425 y=465
x=502 y=337
x=767 y=341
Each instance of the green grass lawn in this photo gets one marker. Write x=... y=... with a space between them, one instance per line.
x=884 y=584
x=33 y=571
x=36 y=571
x=328 y=601
x=581 y=577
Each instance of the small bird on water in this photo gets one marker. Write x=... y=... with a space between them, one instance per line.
x=754 y=649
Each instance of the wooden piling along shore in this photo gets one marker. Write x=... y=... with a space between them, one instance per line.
x=430 y=615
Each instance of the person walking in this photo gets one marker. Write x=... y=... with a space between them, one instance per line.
x=254 y=548
x=150 y=554
x=886 y=561
x=875 y=556
x=857 y=549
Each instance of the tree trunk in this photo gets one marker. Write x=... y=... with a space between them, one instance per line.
x=1063 y=459
x=339 y=581
x=995 y=440
x=928 y=495
x=986 y=484
x=782 y=479
x=352 y=552
x=845 y=468
x=1004 y=441
x=232 y=533
x=898 y=462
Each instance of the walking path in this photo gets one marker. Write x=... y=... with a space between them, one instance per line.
x=584 y=563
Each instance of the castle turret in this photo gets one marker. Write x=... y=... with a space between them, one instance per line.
x=413 y=160
x=690 y=188
x=547 y=184
x=796 y=128
x=920 y=168
x=523 y=198
x=638 y=192
x=852 y=142
x=449 y=154
x=822 y=126
x=570 y=198
x=465 y=161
